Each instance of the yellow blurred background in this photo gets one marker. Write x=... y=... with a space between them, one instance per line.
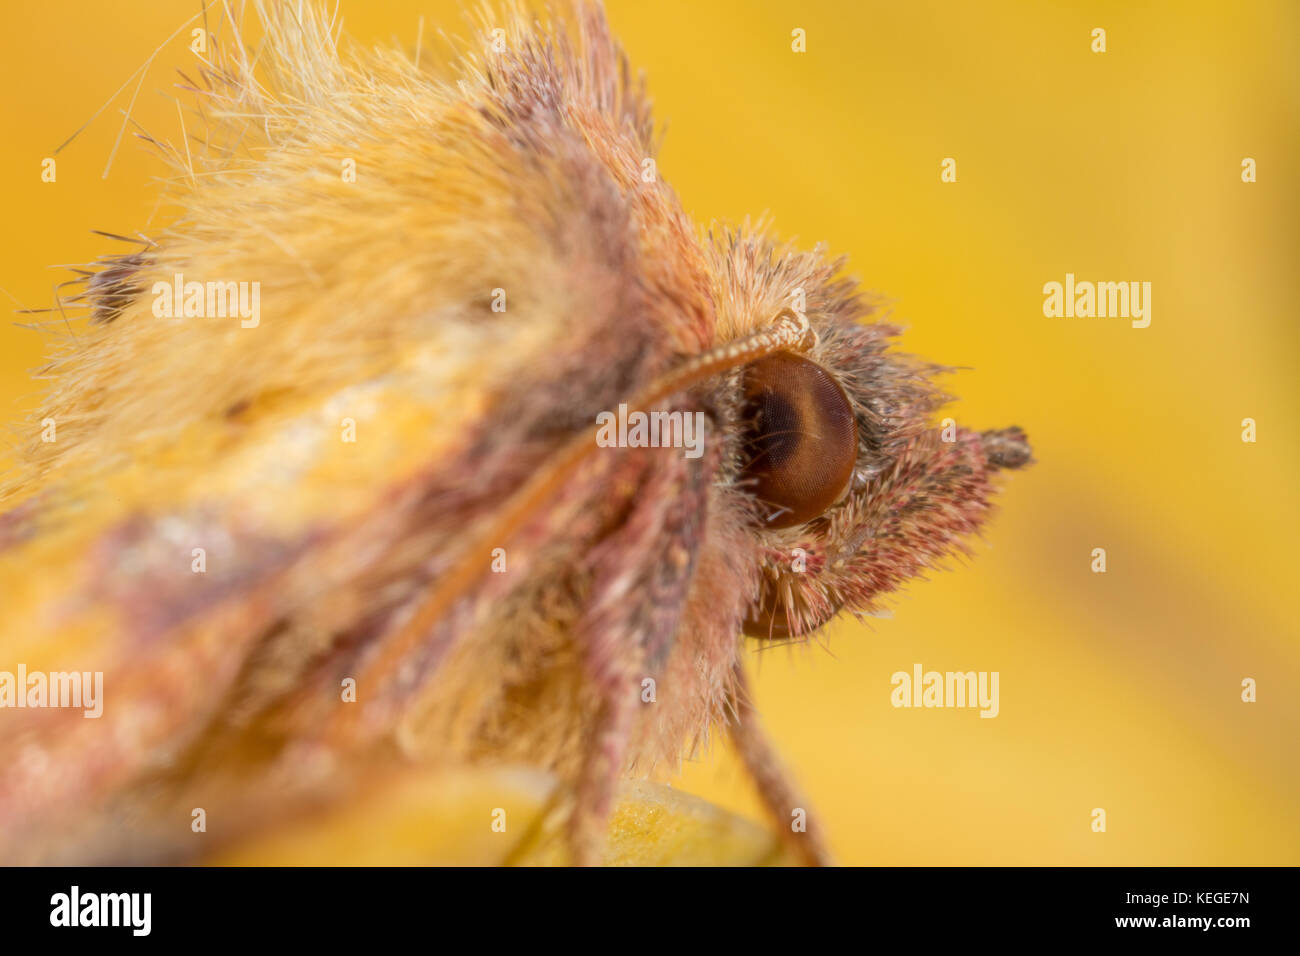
x=1120 y=690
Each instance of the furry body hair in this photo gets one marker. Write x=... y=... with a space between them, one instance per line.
x=515 y=166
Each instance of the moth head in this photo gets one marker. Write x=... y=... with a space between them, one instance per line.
x=852 y=480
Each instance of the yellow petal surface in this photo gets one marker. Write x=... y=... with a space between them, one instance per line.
x=503 y=817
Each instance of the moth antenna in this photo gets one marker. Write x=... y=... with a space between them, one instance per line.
x=790 y=331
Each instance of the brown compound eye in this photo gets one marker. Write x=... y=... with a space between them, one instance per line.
x=801 y=438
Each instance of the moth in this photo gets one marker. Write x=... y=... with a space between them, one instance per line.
x=374 y=528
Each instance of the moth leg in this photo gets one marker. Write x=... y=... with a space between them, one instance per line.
x=641 y=576
x=601 y=770
x=781 y=798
